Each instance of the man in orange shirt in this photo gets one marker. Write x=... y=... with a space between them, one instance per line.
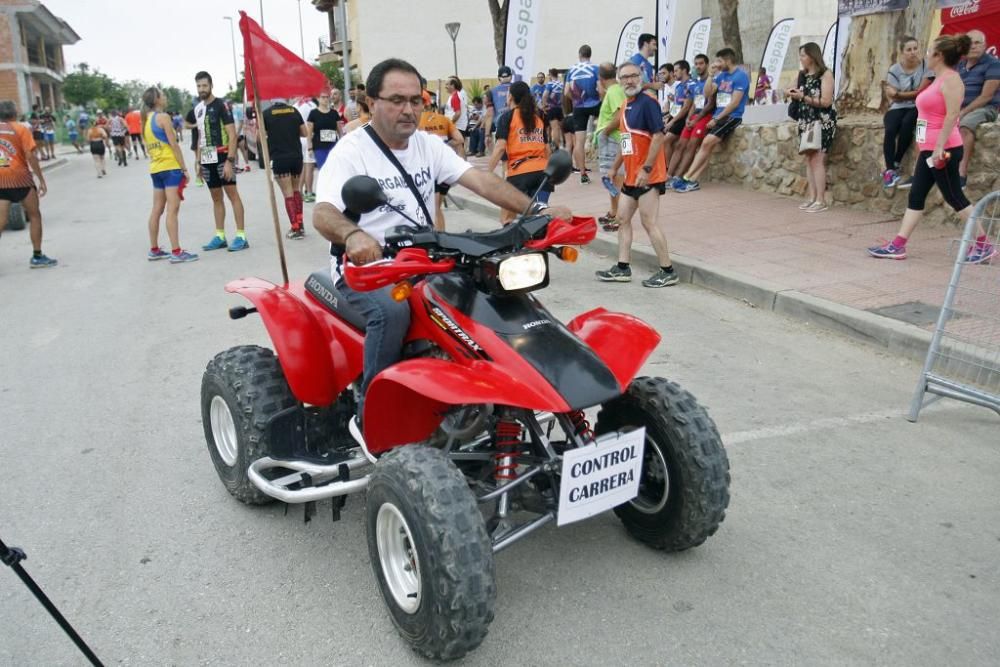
x=645 y=180
x=441 y=126
x=133 y=119
x=17 y=154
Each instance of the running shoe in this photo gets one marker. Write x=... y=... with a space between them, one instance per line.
x=295 y=233
x=42 y=262
x=615 y=274
x=904 y=184
x=309 y=198
x=688 y=186
x=609 y=186
x=584 y=179
x=817 y=207
x=607 y=217
x=159 y=253
x=182 y=257
x=661 y=279
x=890 y=178
x=611 y=225
x=246 y=168
x=675 y=183
x=806 y=204
x=215 y=244
x=200 y=183
x=981 y=253
x=887 y=251
x=239 y=243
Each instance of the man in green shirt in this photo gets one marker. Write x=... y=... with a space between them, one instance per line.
x=608 y=140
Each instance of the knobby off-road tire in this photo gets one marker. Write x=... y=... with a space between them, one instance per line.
x=250 y=383
x=679 y=430
x=426 y=512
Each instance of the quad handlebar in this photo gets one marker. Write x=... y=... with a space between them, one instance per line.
x=416 y=252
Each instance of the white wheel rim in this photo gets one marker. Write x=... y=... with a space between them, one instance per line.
x=223 y=430
x=398 y=555
x=658 y=472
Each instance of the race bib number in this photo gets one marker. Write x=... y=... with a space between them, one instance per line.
x=724 y=99
x=675 y=109
x=327 y=136
x=626 y=143
x=699 y=102
x=921 y=131
x=209 y=155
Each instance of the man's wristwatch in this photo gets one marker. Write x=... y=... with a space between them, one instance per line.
x=231 y=159
x=646 y=168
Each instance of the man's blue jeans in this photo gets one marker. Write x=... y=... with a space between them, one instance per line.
x=388 y=321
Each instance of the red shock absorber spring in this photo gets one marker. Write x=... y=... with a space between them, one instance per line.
x=508 y=442
x=581 y=425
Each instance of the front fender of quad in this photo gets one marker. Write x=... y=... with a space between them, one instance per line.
x=623 y=342
x=406 y=402
x=298 y=339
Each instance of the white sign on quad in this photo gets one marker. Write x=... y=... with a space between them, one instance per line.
x=601 y=476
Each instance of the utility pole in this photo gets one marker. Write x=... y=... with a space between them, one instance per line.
x=342 y=12
x=232 y=37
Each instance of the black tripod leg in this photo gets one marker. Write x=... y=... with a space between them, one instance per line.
x=12 y=557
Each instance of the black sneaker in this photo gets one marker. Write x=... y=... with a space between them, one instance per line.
x=615 y=274
x=661 y=279
x=295 y=233
x=584 y=179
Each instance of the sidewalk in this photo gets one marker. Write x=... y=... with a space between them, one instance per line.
x=762 y=249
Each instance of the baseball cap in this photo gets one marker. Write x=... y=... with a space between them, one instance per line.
x=505 y=71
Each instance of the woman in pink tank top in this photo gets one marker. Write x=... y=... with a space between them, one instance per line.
x=940 y=146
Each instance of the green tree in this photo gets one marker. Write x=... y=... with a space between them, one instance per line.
x=236 y=95
x=334 y=74
x=177 y=99
x=81 y=86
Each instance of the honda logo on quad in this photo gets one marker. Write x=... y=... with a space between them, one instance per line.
x=322 y=292
x=536 y=323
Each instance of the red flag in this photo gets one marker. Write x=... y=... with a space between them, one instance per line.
x=278 y=72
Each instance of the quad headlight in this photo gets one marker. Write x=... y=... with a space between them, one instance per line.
x=523 y=272
x=514 y=274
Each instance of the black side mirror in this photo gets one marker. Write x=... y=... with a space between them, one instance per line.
x=362 y=194
x=559 y=168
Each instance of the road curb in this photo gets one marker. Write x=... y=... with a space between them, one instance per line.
x=893 y=336
x=52 y=164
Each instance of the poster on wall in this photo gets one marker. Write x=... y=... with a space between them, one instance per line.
x=963 y=16
x=861 y=7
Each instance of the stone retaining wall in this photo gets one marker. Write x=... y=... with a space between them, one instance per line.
x=765 y=157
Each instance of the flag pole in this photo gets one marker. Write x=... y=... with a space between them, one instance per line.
x=267 y=168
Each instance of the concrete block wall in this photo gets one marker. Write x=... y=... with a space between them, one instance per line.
x=765 y=157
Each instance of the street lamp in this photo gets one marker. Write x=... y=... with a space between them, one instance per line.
x=302 y=44
x=232 y=38
x=452 y=29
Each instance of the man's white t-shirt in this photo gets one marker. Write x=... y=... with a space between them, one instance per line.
x=463 y=109
x=427 y=159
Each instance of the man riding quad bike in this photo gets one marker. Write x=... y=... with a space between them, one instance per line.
x=423 y=370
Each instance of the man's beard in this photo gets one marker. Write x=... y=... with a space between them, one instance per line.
x=204 y=96
x=632 y=91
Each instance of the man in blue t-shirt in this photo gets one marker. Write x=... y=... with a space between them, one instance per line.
x=582 y=87
x=538 y=89
x=647 y=49
x=496 y=102
x=980 y=73
x=731 y=87
x=552 y=107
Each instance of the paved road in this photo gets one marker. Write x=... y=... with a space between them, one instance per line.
x=852 y=537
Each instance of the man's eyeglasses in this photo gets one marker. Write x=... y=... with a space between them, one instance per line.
x=629 y=77
x=399 y=101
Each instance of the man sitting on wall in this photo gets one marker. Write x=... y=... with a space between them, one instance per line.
x=980 y=73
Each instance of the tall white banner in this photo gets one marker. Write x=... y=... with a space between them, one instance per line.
x=666 y=19
x=697 y=41
x=628 y=40
x=522 y=31
x=830 y=46
x=777 y=47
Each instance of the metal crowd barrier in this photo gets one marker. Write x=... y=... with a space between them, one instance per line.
x=963 y=361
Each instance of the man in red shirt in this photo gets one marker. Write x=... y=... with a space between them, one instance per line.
x=641 y=124
x=17 y=155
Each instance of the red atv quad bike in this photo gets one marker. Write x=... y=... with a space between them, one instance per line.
x=478 y=436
